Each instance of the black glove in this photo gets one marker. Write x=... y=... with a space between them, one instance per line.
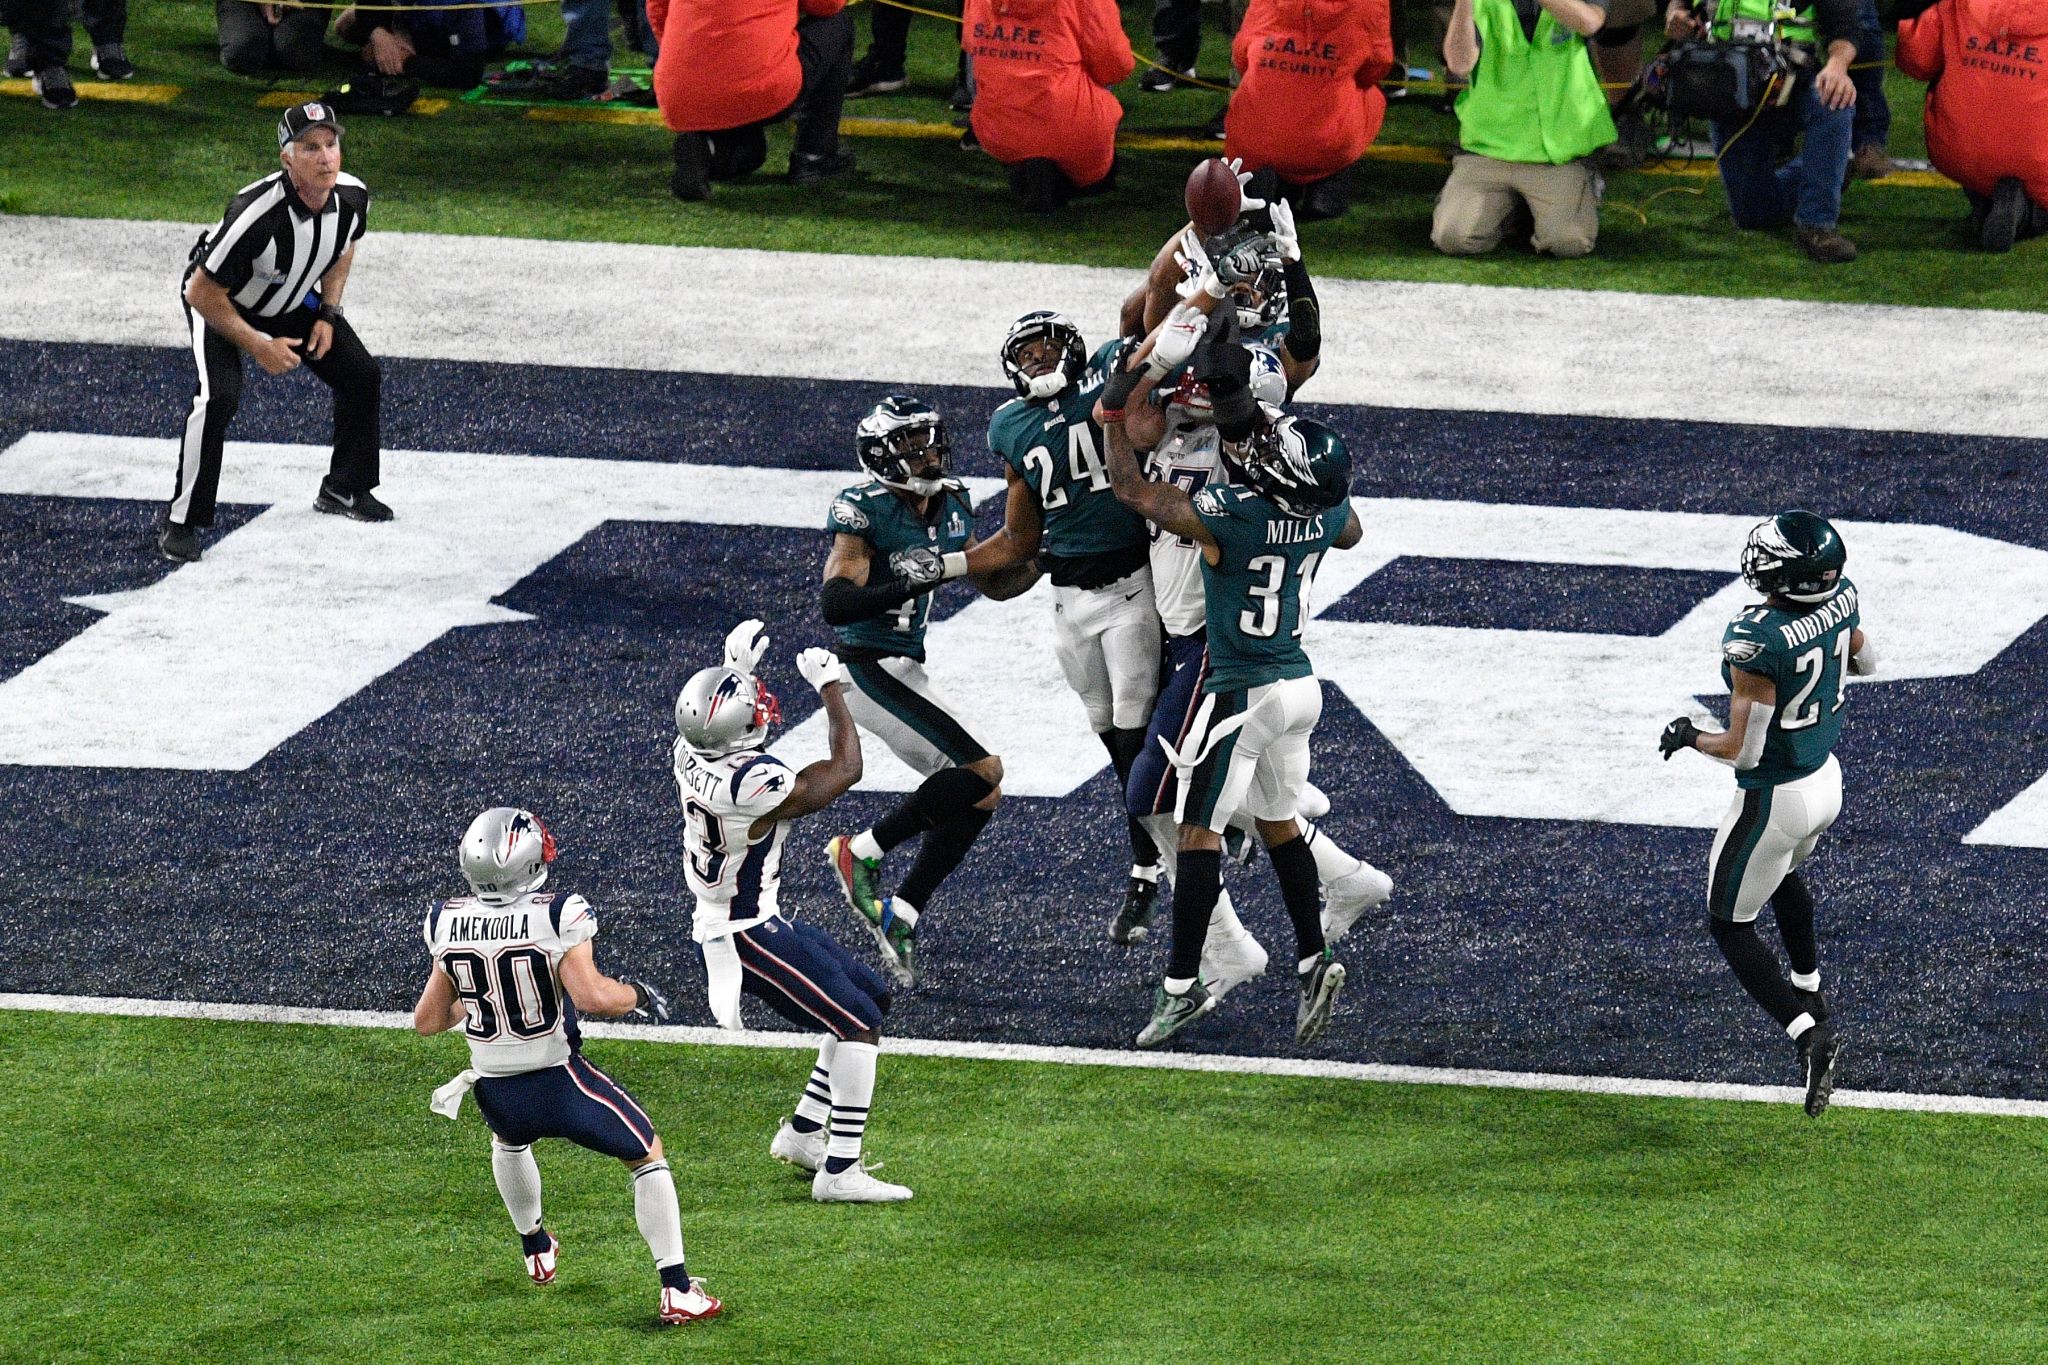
x=648 y=1001
x=1679 y=734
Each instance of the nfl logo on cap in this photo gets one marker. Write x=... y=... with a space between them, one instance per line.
x=301 y=119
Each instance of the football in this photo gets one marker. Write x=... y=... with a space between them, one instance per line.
x=1213 y=197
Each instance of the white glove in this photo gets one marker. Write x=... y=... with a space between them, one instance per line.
x=1284 y=235
x=1177 y=338
x=744 y=646
x=820 y=667
x=1247 y=204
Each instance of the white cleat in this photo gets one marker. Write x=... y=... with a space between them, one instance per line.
x=855 y=1186
x=1350 y=896
x=540 y=1266
x=798 y=1149
x=679 y=1306
x=1228 y=963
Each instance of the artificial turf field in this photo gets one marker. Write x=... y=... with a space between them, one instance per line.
x=182 y=1190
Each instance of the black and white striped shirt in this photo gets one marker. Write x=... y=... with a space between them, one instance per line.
x=269 y=250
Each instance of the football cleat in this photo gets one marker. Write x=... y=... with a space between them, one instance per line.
x=799 y=1149
x=540 y=1265
x=1171 y=1013
x=1228 y=963
x=1819 y=1046
x=895 y=931
x=1319 y=988
x=1350 y=896
x=855 y=1186
x=1133 y=923
x=860 y=879
x=679 y=1306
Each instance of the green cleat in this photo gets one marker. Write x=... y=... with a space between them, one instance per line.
x=894 y=927
x=1171 y=1013
x=1319 y=988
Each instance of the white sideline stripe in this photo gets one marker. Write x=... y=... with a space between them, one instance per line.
x=1075 y=1056
x=934 y=321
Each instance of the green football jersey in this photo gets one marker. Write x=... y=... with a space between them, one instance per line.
x=1055 y=446
x=1257 y=591
x=1806 y=654
x=888 y=524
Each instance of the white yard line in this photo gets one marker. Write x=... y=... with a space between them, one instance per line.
x=915 y=321
x=1075 y=1056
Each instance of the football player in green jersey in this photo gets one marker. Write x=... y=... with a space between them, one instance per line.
x=895 y=537
x=1060 y=513
x=1262 y=537
x=1787 y=663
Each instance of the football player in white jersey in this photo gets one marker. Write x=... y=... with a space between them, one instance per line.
x=505 y=957
x=1173 y=414
x=737 y=804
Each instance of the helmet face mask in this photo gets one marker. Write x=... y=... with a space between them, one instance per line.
x=1255 y=282
x=897 y=442
x=722 y=711
x=1044 y=324
x=505 y=854
x=1796 y=555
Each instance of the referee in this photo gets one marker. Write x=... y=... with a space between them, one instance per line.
x=267 y=279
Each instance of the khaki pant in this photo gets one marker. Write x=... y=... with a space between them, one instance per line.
x=1480 y=196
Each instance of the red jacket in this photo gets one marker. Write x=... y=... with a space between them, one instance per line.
x=1309 y=102
x=1987 y=108
x=1039 y=71
x=728 y=63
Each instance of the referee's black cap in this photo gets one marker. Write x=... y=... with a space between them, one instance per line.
x=302 y=118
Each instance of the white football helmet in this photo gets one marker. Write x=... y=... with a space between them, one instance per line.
x=722 y=711
x=505 y=854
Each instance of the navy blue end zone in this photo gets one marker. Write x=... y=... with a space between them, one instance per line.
x=1522 y=945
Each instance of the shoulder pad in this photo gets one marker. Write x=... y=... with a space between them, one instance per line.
x=1105 y=353
x=571 y=917
x=1211 y=502
x=1740 y=650
x=433 y=923
x=761 y=784
x=848 y=515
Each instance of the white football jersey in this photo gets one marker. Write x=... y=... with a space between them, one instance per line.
x=735 y=879
x=1190 y=454
x=504 y=961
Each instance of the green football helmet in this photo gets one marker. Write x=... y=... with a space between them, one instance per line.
x=1297 y=464
x=1796 y=555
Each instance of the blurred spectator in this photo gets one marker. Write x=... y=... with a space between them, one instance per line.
x=885 y=68
x=1528 y=123
x=1618 y=58
x=445 y=47
x=1042 y=106
x=1309 y=103
x=729 y=68
x=1177 y=38
x=40 y=44
x=1873 y=129
x=583 y=68
x=1766 y=188
x=256 y=39
x=1986 y=62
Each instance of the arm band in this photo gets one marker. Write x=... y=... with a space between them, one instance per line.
x=1304 y=315
x=845 y=603
x=1753 y=737
x=1863 y=662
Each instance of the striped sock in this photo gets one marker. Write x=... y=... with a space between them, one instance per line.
x=816 y=1106
x=853 y=1089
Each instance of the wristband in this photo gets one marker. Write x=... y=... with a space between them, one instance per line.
x=1111 y=416
x=956 y=563
x=329 y=313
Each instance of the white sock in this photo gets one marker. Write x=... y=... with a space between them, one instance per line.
x=1798 y=1027
x=903 y=910
x=853 y=1090
x=1147 y=873
x=1177 y=985
x=815 y=1108
x=518 y=1185
x=1332 y=862
x=1805 y=981
x=1166 y=837
x=654 y=1209
x=864 y=845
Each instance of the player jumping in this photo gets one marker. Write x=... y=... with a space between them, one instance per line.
x=504 y=957
x=1787 y=662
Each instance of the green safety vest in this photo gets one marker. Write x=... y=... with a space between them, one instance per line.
x=1788 y=24
x=1531 y=101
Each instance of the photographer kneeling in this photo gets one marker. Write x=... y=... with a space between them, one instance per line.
x=1819 y=109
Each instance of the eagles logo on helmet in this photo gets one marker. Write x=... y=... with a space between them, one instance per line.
x=1299 y=465
x=1795 y=555
x=1044 y=324
x=895 y=439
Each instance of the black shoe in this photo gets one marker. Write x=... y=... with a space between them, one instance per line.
x=110 y=62
x=1818 y=1048
x=355 y=506
x=961 y=100
x=1160 y=79
x=691 y=179
x=571 y=83
x=869 y=77
x=1324 y=200
x=1141 y=901
x=17 y=57
x=805 y=169
x=1213 y=129
x=2002 y=220
x=178 y=543
x=968 y=141
x=53 y=86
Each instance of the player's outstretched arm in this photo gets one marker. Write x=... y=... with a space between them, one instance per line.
x=1165 y=505
x=438 y=1010
x=823 y=782
x=602 y=996
x=1022 y=531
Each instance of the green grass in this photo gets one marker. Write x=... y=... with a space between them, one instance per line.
x=479 y=169
x=200 y=1191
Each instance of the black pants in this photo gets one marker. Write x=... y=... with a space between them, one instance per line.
x=46 y=24
x=1177 y=31
x=250 y=44
x=824 y=49
x=347 y=368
